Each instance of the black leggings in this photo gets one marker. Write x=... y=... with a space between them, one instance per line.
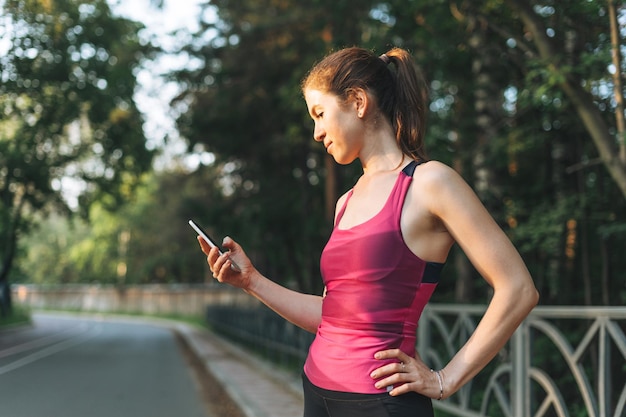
x=320 y=402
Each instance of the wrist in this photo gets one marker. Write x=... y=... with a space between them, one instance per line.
x=440 y=383
x=252 y=284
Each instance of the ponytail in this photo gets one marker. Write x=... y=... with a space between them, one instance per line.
x=410 y=98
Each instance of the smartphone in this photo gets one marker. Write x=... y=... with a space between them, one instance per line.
x=200 y=231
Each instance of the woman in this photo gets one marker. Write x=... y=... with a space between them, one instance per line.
x=392 y=234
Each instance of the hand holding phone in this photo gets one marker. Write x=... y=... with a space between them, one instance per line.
x=211 y=243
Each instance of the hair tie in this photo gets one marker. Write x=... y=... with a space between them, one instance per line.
x=384 y=58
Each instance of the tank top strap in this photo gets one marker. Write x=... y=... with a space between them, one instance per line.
x=397 y=193
x=410 y=168
x=343 y=208
x=400 y=190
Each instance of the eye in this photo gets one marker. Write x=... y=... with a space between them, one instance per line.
x=320 y=114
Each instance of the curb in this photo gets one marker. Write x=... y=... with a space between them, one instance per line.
x=258 y=388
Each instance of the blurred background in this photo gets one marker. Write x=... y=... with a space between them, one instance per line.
x=122 y=120
x=119 y=121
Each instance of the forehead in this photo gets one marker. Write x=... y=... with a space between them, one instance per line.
x=316 y=98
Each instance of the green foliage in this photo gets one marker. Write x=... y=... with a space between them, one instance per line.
x=127 y=246
x=66 y=99
x=253 y=118
x=497 y=108
x=536 y=136
x=543 y=230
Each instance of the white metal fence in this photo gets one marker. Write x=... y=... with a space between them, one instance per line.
x=562 y=361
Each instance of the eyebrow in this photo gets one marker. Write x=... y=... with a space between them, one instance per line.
x=314 y=110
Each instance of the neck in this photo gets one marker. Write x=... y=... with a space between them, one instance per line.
x=383 y=155
x=383 y=163
x=381 y=152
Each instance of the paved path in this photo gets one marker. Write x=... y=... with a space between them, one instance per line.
x=256 y=387
x=74 y=366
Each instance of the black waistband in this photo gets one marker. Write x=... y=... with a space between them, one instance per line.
x=338 y=395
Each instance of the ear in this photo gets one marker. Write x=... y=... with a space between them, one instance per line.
x=361 y=102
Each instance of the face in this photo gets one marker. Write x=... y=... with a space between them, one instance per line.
x=337 y=125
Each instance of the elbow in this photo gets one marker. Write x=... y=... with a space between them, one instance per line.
x=528 y=296
x=521 y=301
x=521 y=296
x=531 y=291
x=535 y=296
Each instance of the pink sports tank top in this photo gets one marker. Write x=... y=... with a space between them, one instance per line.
x=376 y=290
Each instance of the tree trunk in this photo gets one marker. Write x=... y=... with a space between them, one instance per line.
x=463 y=290
x=605 y=244
x=6 y=305
x=582 y=101
x=617 y=81
x=488 y=112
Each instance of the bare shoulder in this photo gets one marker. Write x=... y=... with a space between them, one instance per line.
x=435 y=171
x=436 y=177
x=443 y=189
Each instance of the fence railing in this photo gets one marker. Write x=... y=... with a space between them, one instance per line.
x=561 y=362
x=260 y=329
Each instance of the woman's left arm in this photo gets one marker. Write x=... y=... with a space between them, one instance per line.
x=454 y=203
x=496 y=259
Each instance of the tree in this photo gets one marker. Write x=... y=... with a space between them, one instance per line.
x=66 y=99
x=499 y=116
x=532 y=129
x=144 y=241
x=245 y=106
x=564 y=72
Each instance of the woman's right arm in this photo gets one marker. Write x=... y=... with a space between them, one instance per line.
x=303 y=310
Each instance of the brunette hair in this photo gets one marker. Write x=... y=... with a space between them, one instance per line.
x=400 y=94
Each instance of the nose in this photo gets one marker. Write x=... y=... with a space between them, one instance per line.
x=318 y=133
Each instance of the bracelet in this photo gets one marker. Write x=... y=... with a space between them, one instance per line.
x=440 y=379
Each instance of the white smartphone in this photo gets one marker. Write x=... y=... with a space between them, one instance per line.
x=200 y=231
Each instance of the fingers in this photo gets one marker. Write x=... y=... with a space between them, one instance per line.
x=392 y=354
x=216 y=261
x=405 y=374
x=393 y=373
x=223 y=268
x=232 y=247
x=229 y=243
x=206 y=248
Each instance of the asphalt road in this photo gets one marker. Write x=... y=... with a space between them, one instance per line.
x=65 y=366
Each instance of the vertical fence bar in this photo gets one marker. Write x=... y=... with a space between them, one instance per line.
x=423 y=334
x=520 y=384
x=604 y=370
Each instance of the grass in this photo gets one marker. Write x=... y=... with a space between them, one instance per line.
x=19 y=315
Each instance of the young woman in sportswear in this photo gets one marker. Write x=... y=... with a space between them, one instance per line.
x=392 y=234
